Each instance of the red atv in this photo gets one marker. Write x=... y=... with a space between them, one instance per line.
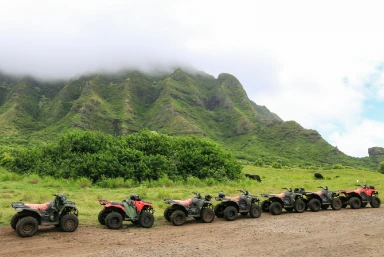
x=133 y=209
x=360 y=197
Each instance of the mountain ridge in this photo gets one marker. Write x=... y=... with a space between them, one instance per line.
x=177 y=103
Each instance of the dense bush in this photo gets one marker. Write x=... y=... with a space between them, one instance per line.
x=381 y=167
x=139 y=156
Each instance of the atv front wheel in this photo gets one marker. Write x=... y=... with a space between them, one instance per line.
x=336 y=204
x=167 y=213
x=178 y=218
x=275 y=208
x=230 y=213
x=300 y=206
x=265 y=206
x=146 y=219
x=69 y=223
x=375 y=202
x=219 y=210
x=354 y=202
x=255 y=211
x=207 y=215
x=102 y=215
x=14 y=221
x=114 y=220
x=314 y=205
x=344 y=201
x=27 y=226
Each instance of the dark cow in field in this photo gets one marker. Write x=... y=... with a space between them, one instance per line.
x=318 y=176
x=255 y=177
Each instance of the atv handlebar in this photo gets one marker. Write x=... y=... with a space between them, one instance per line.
x=245 y=192
x=197 y=194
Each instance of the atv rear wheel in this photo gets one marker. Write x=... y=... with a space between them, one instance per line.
x=344 y=201
x=265 y=206
x=207 y=215
x=336 y=204
x=146 y=219
x=219 y=210
x=325 y=206
x=114 y=220
x=375 y=202
x=300 y=206
x=275 y=208
x=27 y=226
x=230 y=213
x=167 y=213
x=178 y=218
x=255 y=211
x=14 y=221
x=69 y=223
x=102 y=215
x=354 y=202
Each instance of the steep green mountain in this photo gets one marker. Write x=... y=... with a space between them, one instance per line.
x=181 y=103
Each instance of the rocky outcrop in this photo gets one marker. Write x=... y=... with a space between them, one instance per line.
x=376 y=152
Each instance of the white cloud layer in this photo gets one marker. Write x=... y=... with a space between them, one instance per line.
x=319 y=63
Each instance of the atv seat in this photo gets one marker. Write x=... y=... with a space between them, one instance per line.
x=40 y=207
x=235 y=198
x=117 y=203
x=185 y=203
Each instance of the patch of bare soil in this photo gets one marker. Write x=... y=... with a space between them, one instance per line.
x=346 y=232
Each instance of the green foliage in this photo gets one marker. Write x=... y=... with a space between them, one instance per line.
x=259 y=162
x=338 y=167
x=277 y=165
x=381 y=167
x=112 y=160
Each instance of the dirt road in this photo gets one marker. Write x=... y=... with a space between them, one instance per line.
x=327 y=233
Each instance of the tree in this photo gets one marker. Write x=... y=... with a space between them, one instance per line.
x=381 y=167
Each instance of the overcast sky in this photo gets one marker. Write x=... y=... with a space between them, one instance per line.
x=320 y=63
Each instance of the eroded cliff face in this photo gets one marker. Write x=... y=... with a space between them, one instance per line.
x=376 y=151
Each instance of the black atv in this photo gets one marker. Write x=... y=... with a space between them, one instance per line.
x=323 y=199
x=243 y=204
x=198 y=207
x=58 y=212
x=290 y=201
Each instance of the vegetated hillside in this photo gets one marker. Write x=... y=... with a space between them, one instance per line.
x=181 y=103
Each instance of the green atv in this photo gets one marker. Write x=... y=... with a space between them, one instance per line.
x=243 y=204
x=58 y=212
x=200 y=208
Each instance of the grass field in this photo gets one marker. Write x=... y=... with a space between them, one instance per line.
x=33 y=189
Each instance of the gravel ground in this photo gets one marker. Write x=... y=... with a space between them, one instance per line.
x=346 y=232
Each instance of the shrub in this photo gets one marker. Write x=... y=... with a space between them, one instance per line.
x=277 y=165
x=140 y=156
x=381 y=167
x=259 y=162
